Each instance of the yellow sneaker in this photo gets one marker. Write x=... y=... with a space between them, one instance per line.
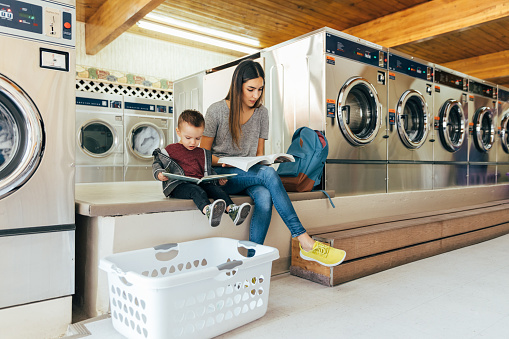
x=324 y=254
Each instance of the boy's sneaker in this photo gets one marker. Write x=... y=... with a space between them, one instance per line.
x=239 y=213
x=324 y=254
x=215 y=211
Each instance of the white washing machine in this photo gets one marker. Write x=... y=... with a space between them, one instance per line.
x=37 y=228
x=99 y=137
x=482 y=130
x=502 y=144
x=148 y=124
x=450 y=166
x=410 y=105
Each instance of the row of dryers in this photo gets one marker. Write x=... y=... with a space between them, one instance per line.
x=394 y=122
x=117 y=134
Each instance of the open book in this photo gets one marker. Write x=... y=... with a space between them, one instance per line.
x=245 y=163
x=196 y=180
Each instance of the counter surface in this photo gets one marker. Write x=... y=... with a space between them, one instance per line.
x=139 y=197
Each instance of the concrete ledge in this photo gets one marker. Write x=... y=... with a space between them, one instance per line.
x=128 y=198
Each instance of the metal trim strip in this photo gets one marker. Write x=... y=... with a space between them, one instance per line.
x=37 y=229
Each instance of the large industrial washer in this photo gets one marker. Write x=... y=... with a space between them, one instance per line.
x=335 y=83
x=450 y=167
x=410 y=105
x=502 y=145
x=99 y=137
x=37 y=74
x=148 y=124
x=482 y=132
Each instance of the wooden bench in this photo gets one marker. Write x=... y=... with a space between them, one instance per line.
x=380 y=244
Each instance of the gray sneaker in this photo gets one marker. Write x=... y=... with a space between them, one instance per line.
x=215 y=211
x=239 y=213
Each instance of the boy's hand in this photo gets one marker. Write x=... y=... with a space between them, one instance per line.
x=223 y=182
x=161 y=177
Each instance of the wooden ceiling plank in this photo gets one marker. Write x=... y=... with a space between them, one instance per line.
x=113 y=18
x=489 y=66
x=428 y=20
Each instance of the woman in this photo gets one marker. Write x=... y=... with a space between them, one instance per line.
x=238 y=127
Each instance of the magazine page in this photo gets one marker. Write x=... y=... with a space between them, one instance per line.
x=245 y=163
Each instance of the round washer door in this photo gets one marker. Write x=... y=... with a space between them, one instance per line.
x=484 y=129
x=21 y=137
x=144 y=138
x=359 y=111
x=452 y=125
x=97 y=138
x=412 y=119
x=504 y=132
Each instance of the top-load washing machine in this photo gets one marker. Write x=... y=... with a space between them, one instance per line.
x=502 y=145
x=482 y=121
x=450 y=151
x=148 y=124
x=99 y=137
x=410 y=106
x=37 y=153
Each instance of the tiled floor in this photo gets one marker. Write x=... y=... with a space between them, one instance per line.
x=460 y=294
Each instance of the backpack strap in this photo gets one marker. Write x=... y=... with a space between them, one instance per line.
x=328 y=196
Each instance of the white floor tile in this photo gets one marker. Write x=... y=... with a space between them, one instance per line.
x=460 y=294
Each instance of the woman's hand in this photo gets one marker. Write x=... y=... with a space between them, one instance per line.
x=161 y=177
x=223 y=182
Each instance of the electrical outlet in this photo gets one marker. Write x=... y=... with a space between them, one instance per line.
x=52 y=22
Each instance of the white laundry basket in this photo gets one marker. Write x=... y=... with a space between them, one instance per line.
x=195 y=289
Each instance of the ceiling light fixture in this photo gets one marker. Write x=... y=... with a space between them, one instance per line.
x=204 y=30
x=195 y=37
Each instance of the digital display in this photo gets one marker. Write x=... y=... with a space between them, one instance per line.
x=26 y=16
x=480 y=89
x=450 y=80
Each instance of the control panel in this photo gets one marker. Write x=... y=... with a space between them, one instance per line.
x=450 y=80
x=355 y=51
x=39 y=20
x=481 y=89
x=410 y=67
x=503 y=95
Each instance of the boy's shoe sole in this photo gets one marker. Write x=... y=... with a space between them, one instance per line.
x=305 y=257
x=244 y=210
x=217 y=209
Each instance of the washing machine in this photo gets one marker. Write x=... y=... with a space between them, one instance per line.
x=99 y=137
x=410 y=107
x=450 y=166
x=482 y=127
x=37 y=153
x=502 y=145
x=148 y=124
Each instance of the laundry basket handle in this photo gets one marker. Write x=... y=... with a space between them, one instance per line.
x=229 y=265
x=165 y=247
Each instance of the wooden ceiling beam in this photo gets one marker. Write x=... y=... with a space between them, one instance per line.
x=489 y=66
x=113 y=18
x=429 y=20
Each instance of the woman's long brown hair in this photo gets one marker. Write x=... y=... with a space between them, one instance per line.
x=246 y=70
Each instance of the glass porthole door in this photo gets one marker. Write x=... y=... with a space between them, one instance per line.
x=21 y=137
x=412 y=119
x=97 y=138
x=359 y=111
x=452 y=125
x=484 y=129
x=144 y=138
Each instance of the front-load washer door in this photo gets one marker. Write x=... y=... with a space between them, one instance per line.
x=504 y=132
x=21 y=137
x=412 y=119
x=483 y=129
x=97 y=138
x=359 y=111
x=144 y=138
x=452 y=124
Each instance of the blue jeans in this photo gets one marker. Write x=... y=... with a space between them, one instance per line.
x=263 y=185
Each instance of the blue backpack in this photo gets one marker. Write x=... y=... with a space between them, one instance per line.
x=310 y=149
